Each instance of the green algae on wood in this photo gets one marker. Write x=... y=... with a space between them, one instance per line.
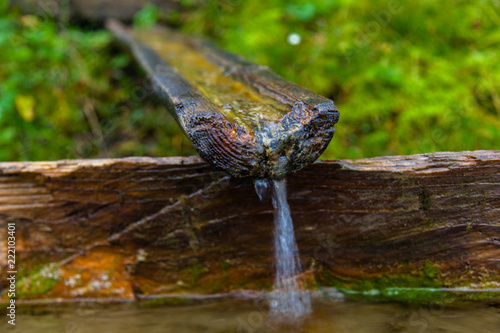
x=424 y=285
x=38 y=282
x=240 y=117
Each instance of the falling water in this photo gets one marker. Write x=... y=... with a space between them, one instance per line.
x=288 y=299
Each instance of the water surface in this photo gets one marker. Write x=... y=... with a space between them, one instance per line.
x=233 y=315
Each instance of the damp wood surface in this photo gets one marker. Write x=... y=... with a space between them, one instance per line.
x=136 y=227
x=240 y=117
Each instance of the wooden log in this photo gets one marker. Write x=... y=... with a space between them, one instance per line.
x=137 y=227
x=240 y=117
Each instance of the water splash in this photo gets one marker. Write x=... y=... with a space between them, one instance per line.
x=288 y=299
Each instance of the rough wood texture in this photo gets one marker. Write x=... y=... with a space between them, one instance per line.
x=144 y=226
x=240 y=117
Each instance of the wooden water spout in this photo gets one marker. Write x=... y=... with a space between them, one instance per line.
x=245 y=120
x=240 y=117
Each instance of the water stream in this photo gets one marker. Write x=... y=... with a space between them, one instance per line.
x=289 y=300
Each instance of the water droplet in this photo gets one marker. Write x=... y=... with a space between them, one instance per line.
x=261 y=188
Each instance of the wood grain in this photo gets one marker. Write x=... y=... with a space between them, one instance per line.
x=146 y=226
x=240 y=117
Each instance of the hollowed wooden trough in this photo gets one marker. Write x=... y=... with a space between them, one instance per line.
x=240 y=117
x=139 y=227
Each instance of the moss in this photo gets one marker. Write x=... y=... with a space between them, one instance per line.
x=38 y=281
x=420 y=288
x=216 y=288
x=193 y=273
x=407 y=295
x=421 y=295
x=219 y=285
x=430 y=271
x=153 y=302
x=403 y=287
x=225 y=266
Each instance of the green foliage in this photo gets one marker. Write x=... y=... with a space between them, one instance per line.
x=147 y=16
x=48 y=76
x=407 y=77
x=3 y=5
x=65 y=93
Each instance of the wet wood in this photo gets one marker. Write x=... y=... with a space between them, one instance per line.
x=240 y=117
x=135 y=227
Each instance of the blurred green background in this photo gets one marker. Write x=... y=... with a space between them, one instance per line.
x=408 y=77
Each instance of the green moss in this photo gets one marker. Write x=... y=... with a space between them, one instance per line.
x=430 y=271
x=424 y=94
x=38 y=281
x=193 y=273
x=152 y=302
x=57 y=83
x=422 y=295
x=419 y=288
x=219 y=285
x=216 y=287
x=407 y=295
x=225 y=266
x=404 y=287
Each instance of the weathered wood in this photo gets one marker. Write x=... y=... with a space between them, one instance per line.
x=240 y=117
x=149 y=226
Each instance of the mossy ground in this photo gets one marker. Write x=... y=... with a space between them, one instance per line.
x=407 y=77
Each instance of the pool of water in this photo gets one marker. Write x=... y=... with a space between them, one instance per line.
x=233 y=315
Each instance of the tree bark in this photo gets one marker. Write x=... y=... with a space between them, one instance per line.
x=133 y=227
